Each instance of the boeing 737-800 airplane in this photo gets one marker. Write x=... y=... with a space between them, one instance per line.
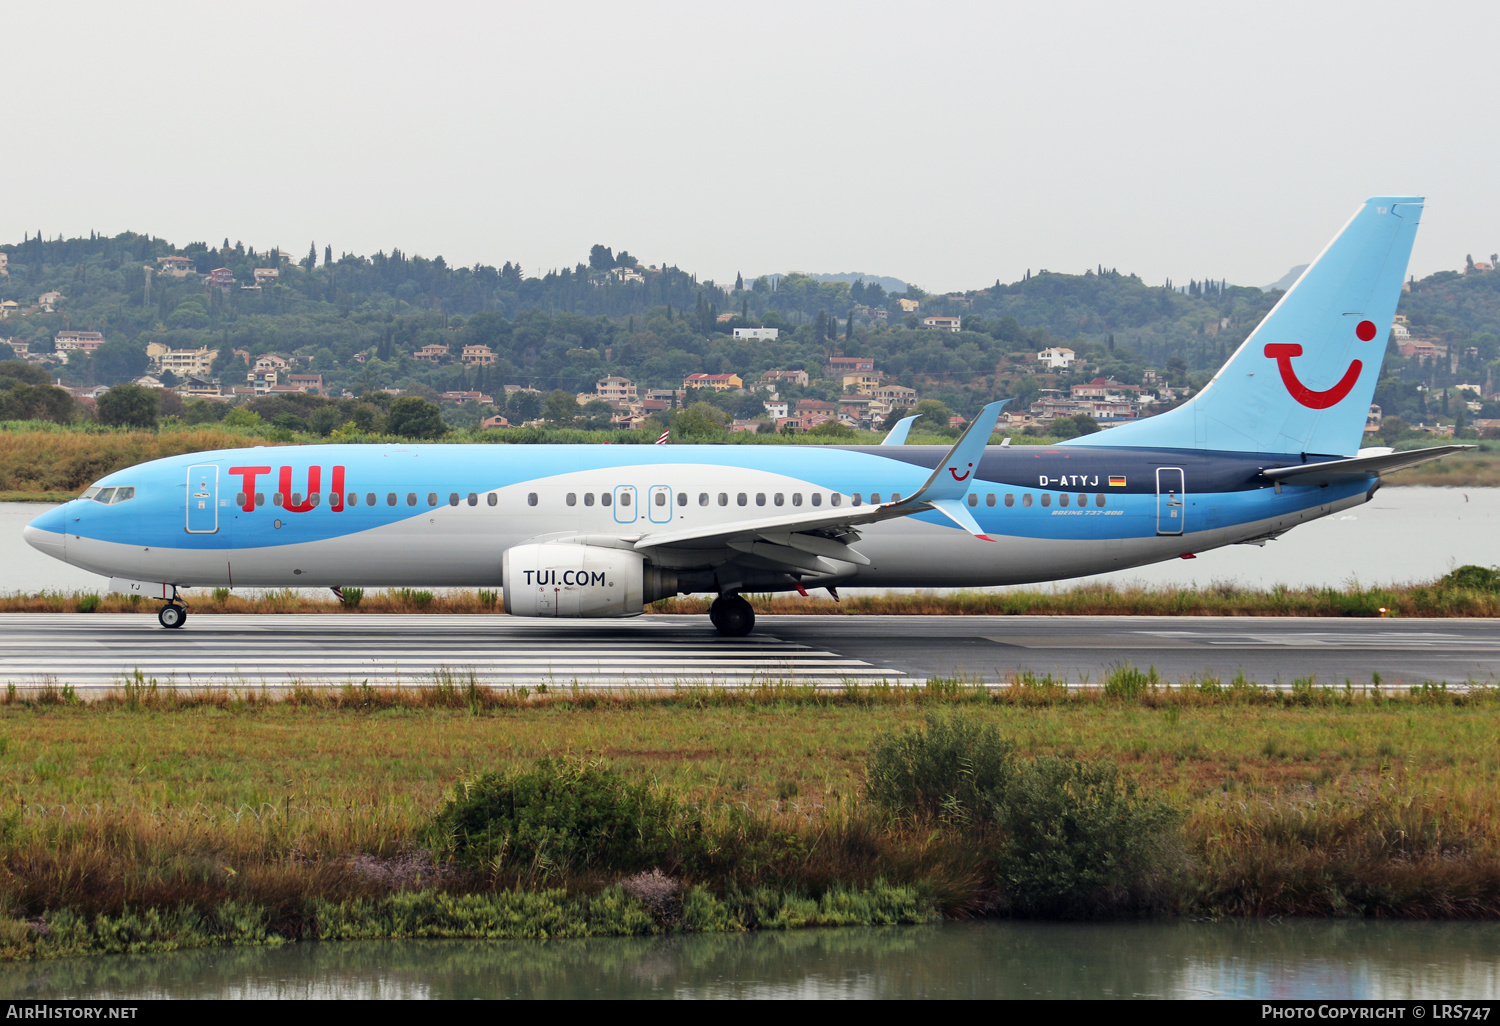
x=601 y=530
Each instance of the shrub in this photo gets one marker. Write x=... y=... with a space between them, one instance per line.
x=567 y=814
x=1128 y=682
x=1478 y=578
x=1079 y=841
x=953 y=768
x=89 y=603
x=351 y=597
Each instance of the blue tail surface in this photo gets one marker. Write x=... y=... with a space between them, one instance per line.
x=1303 y=380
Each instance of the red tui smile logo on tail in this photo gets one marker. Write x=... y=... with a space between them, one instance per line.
x=1283 y=352
x=961 y=477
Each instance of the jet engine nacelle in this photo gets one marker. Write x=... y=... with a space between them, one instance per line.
x=569 y=579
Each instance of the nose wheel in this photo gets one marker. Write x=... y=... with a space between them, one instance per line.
x=173 y=614
x=732 y=616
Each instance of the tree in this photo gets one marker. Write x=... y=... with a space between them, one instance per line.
x=561 y=408
x=311 y=260
x=129 y=406
x=601 y=258
x=523 y=406
x=411 y=417
x=700 y=420
x=328 y=256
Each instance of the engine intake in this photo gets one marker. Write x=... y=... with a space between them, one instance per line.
x=572 y=580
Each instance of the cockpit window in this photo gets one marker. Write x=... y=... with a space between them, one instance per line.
x=109 y=496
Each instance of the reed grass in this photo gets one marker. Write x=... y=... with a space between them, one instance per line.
x=258 y=814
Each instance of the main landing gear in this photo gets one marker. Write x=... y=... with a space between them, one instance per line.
x=732 y=615
x=173 y=614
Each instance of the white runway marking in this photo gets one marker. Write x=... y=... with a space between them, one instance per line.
x=276 y=650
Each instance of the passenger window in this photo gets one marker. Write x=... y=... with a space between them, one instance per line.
x=353 y=499
x=1083 y=500
x=1046 y=498
x=1062 y=500
x=661 y=498
x=760 y=498
x=276 y=498
x=453 y=499
x=779 y=499
x=473 y=498
x=742 y=499
x=572 y=499
x=796 y=498
x=875 y=498
x=296 y=498
x=432 y=498
x=494 y=500
x=703 y=498
x=315 y=498
x=835 y=499
x=895 y=496
x=105 y=494
x=588 y=498
x=989 y=500
x=390 y=498
x=682 y=498
x=1010 y=498
x=411 y=498
x=260 y=498
x=973 y=499
x=1099 y=500
x=241 y=499
x=531 y=499
x=817 y=498
x=369 y=498
x=857 y=501
x=624 y=498
x=605 y=498
x=1026 y=499
x=723 y=498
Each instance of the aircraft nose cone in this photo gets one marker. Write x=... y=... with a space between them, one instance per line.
x=48 y=533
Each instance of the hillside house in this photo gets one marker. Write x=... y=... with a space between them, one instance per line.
x=266 y=275
x=717 y=382
x=1057 y=358
x=435 y=353
x=796 y=377
x=942 y=323
x=762 y=334
x=185 y=362
x=850 y=365
x=49 y=300
x=81 y=341
x=615 y=389
x=896 y=395
x=312 y=384
x=174 y=266
x=478 y=356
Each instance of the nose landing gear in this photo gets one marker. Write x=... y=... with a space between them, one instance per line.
x=732 y=616
x=174 y=613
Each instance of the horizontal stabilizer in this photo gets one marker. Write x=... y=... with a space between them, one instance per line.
x=1360 y=466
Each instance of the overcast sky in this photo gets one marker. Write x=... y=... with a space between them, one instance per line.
x=947 y=144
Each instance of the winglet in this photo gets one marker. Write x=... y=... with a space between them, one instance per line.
x=955 y=473
x=900 y=431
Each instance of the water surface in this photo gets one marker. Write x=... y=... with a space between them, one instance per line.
x=1231 y=959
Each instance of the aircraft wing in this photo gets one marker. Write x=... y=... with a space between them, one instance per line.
x=1360 y=466
x=817 y=542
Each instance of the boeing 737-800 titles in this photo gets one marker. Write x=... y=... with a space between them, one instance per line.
x=601 y=530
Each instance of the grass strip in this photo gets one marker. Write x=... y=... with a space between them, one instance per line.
x=162 y=818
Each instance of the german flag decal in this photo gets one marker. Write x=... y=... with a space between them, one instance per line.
x=1116 y=481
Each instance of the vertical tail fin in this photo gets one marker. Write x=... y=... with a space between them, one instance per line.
x=1303 y=380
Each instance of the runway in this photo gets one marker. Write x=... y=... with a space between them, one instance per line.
x=100 y=651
